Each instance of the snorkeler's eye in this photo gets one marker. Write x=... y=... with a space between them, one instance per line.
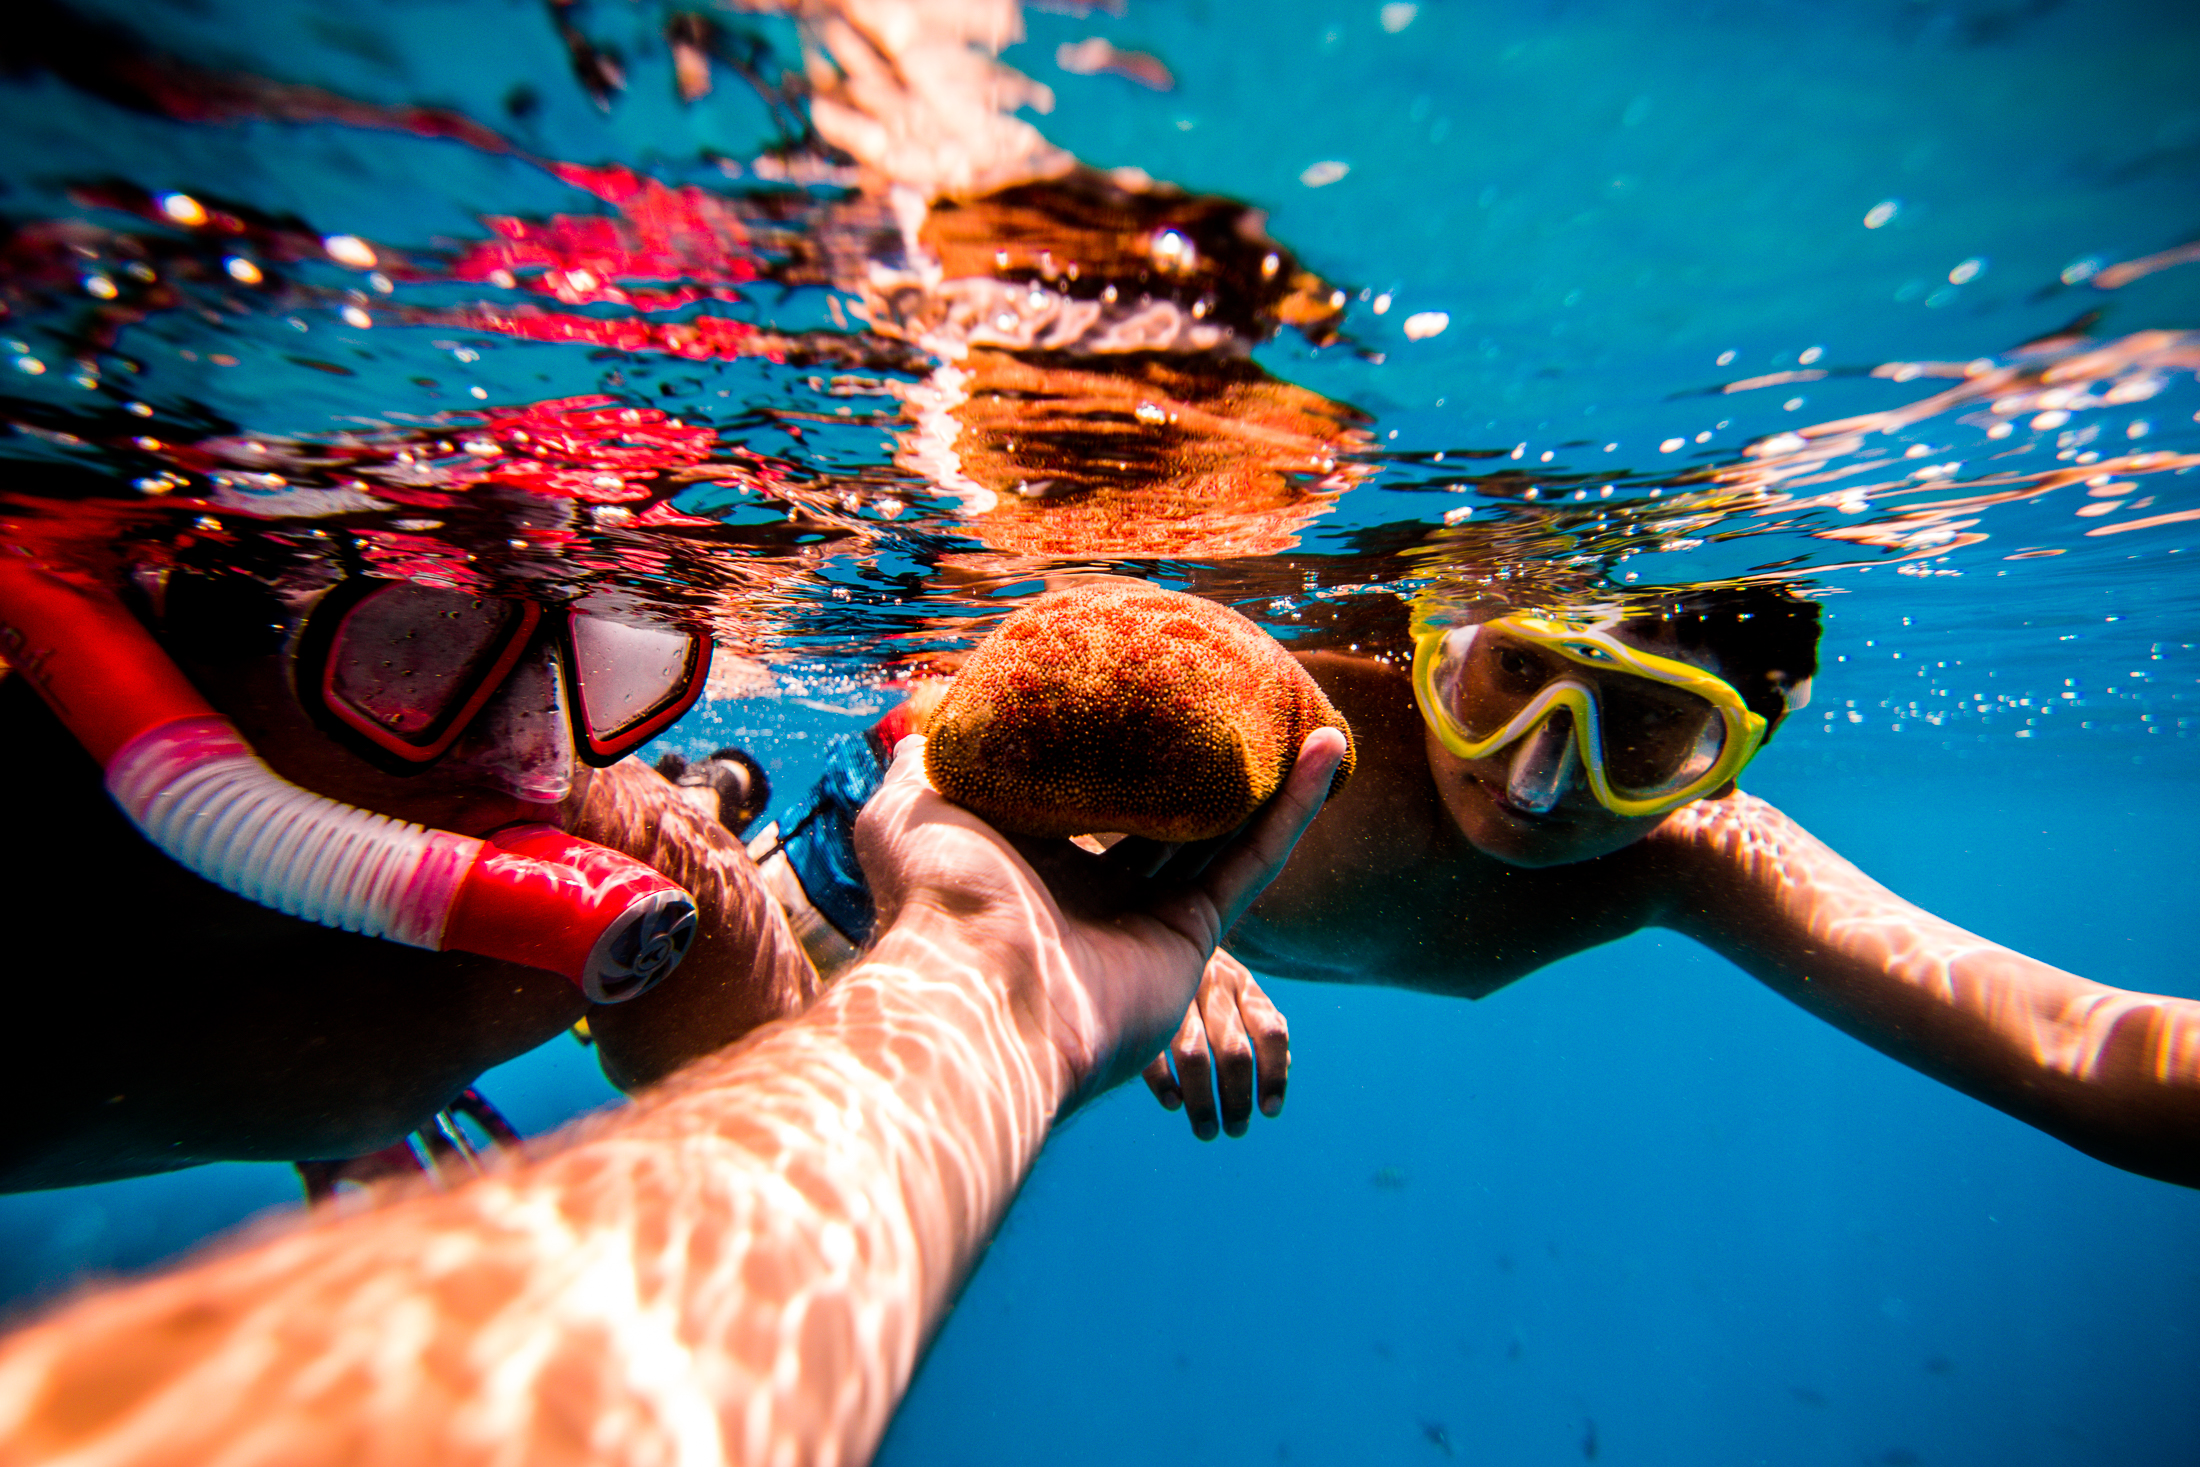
x=1520 y=671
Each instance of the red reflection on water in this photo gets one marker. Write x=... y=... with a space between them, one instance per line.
x=593 y=470
x=692 y=238
x=586 y=448
x=660 y=234
x=701 y=338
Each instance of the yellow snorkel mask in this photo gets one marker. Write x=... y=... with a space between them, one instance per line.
x=1652 y=733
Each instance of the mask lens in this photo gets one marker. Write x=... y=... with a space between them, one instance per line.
x=627 y=677
x=406 y=659
x=1487 y=677
x=1656 y=738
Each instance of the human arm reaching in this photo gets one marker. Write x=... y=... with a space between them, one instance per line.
x=745 y=1264
x=2114 y=1073
x=745 y=968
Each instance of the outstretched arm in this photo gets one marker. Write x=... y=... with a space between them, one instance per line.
x=743 y=1265
x=2113 y=1073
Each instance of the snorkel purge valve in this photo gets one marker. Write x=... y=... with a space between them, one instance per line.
x=186 y=778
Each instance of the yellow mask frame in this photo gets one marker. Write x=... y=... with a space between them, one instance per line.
x=1585 y=644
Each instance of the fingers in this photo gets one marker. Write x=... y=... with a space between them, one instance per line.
x=903 y=785
x=1250 y=1041
x=1195 y=1073
x=1271 y=1037
x=907 y=763
x=1231 y=1052
x=1162 y=1083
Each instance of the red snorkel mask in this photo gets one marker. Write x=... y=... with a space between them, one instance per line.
x=398 y=671
x=528 y=894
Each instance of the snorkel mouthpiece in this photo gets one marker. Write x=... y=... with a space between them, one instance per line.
x=188 y=780
x=623 y=927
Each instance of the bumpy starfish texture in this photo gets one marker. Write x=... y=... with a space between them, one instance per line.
x=1122 y=708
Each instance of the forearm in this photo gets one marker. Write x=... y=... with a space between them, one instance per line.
x=2112 y=1072
x=746 y=1263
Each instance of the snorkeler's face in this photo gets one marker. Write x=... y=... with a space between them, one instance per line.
x=515 y=761
x=1529 y=803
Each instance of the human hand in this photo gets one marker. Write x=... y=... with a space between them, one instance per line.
x=746 y=967
x=1097 y=955
x=1231 y=1023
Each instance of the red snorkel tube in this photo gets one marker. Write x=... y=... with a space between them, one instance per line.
x=186 y=778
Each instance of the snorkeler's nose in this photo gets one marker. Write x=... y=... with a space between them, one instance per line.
x=1543 y=767
x=521 y=742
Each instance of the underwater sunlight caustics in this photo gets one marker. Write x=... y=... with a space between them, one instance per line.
x=646 y=640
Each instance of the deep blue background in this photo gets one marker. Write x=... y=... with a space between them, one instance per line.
x=1637 y=1190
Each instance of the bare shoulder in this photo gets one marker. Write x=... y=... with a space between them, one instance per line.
x=1748 y=879
x=1735 y=837
x=746 y=967
x=1375 y=695
x=1732 y=816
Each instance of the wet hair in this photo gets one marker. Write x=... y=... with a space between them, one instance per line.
x=220 y=618
x=220 y=602
x=1765 y=638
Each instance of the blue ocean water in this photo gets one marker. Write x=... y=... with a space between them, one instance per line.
x=1634 y=1209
